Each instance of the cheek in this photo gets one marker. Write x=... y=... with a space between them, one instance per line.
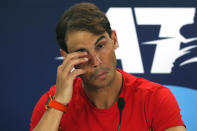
x=108 y=57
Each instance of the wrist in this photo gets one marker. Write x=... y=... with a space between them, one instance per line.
x=53 y=103
x=61 y=100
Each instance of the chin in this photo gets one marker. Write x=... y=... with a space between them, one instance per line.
x=101 y=83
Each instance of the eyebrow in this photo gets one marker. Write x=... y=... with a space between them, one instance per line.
x=84 y=49
x=100 y=38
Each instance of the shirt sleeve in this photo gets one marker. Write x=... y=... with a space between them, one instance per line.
x=165 y=110
x=38 y=111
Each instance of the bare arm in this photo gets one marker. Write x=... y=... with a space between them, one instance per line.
x=176 y=128
x=50 y=120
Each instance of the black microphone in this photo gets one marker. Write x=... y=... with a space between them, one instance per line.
x=121 y=104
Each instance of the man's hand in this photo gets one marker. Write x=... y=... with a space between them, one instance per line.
x=64 y=87
x=66 y=75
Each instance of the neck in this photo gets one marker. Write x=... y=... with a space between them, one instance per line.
x=105 y=97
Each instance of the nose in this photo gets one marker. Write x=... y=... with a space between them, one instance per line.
x=95 y=60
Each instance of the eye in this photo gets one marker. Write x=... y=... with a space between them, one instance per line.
x=99 y=46
x=82 y=50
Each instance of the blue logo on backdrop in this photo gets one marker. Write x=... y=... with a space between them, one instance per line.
x=159 y=44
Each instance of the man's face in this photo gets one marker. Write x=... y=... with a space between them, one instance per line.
x=101 y=65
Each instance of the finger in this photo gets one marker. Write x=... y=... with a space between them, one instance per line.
x=77 y=72
x=77 y=54
x=72 y=63
x=72 y=56
x=59 y=69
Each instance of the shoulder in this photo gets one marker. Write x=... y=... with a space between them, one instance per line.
x=146 y=91
x=140 y=85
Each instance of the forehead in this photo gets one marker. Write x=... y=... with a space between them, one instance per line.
x=81 y=39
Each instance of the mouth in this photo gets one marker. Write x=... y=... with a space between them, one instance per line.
x=101 y=75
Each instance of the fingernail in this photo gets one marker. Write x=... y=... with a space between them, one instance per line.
x=85 y=59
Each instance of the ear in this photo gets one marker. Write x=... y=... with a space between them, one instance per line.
x=63 y=53
x=114 y=39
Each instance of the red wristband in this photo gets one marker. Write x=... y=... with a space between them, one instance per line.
x=51 y=102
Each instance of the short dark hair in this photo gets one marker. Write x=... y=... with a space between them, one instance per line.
x=81 y=17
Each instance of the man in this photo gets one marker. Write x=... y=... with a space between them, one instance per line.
x=90 y=93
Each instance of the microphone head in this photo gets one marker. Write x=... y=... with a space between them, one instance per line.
x=121 y=103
